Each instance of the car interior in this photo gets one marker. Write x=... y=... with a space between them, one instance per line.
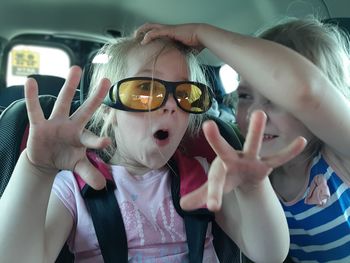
x=44 y=38
x=47 y=37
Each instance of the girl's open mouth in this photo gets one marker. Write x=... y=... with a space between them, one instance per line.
x=161 y=137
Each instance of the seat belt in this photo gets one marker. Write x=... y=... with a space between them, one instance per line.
x=108 y=223
x=196 y=221
x=106 y=216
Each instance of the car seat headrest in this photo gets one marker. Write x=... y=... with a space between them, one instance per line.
x=13 y=123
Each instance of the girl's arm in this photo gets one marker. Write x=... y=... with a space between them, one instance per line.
x=27 y=232
x=33 y=225
x=255 y=220
x=280 y=74
x=239 y=191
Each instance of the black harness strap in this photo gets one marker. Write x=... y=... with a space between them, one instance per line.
x=196 y=229
x=108 y=223
x=196 y=222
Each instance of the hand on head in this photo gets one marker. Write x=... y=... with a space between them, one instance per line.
x=186 y=34
x=60 y=142
x=243 y=169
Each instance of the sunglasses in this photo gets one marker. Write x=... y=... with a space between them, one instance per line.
x=142 y=94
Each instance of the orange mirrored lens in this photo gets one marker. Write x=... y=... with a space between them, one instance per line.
x=142 y=94
x=192 y=98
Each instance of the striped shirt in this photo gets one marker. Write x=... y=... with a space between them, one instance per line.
x=321 y=234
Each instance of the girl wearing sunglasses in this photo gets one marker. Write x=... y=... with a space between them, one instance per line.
x=158 y=95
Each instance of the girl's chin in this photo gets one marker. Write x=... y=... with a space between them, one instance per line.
x=159 y=159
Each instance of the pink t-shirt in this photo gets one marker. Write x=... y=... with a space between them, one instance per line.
x=155 y=232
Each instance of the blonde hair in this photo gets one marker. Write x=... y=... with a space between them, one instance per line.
x=325 y=44
x=118 y=51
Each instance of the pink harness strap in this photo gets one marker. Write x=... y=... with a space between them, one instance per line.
x=192 y=174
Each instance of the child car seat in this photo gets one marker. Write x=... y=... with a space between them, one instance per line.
x=13 y=136
x=14 y=124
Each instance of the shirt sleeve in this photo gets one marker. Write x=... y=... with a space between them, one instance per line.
x=65 y=188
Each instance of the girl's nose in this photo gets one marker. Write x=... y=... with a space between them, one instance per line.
x=170 y=105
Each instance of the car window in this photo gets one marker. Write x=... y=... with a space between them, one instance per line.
x=24 y=60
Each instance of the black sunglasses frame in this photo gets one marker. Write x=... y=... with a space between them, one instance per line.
x=170 y=88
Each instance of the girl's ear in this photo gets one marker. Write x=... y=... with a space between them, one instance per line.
x=114 y=120
x=109 y=115
x=106 y=110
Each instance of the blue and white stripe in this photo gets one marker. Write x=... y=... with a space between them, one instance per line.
x=321 y=234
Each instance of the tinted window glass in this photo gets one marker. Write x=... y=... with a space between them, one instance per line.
x=24 y=60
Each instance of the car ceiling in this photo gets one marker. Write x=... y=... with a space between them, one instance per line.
x=95 y=18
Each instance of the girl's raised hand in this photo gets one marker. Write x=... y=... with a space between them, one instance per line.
x=243 y=169
x=185 y=33
x=60 y=142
